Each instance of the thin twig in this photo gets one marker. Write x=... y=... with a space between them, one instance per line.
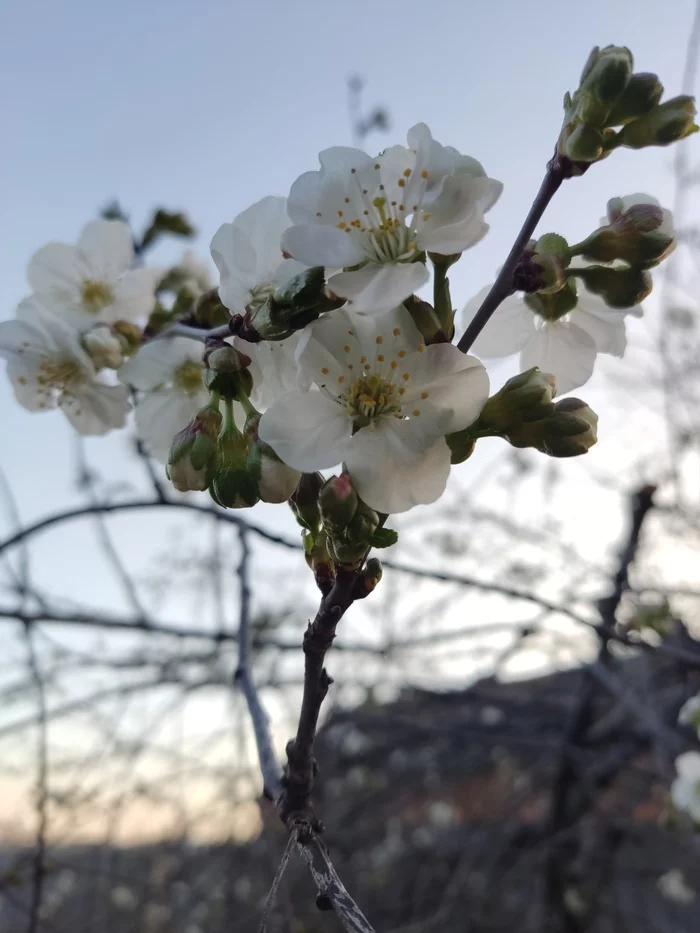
x=332 y=888
x=39 y=859
x=503 y=286
x=277 y=880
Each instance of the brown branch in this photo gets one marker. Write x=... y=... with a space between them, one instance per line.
x=503 y=286
x=294 y=806
x=39 y=858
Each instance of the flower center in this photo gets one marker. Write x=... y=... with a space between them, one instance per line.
x=95 y=296
x=57 y=376
x=368 y=398
x=188 y=377
x=378 y=220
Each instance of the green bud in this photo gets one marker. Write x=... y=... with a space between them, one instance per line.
x=345 y=552
x=226 y=359
x=461 y=444
x=640 y=235
x=553 y=306
x=526 y=397
x=581 y=143
x=233 y=384
x=641 y=94
x=662 y=125
x=319 y=559
x=605 y=77
x=368 y=579
x=426 y=320
x=338 y=502
x=569 y=431
x=622 y=287
x=236 y=472
x=304 y=500
x=173 y=222
x=193 y=451
x=362 y=526
x=209 y=311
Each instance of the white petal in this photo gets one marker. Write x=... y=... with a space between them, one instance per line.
x=565 y=351
x=457 y=385
x=97 y=408
x=321 y=354
x=458 y=207
x=375 y=288
x=314 y=191
x=108 y=248
x=134 y=295
x=23 y=337
x=322 y=245
x=234 y=256
x=508 y=330
x=273 y=368
x=606 y=327
x=161 y=414
x=388 y=477
x=264 y=223
x=57 y=271
x=156 y=362
x=306 y=430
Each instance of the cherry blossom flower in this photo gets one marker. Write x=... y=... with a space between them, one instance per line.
x=93 y=281
x=375 y=217
x=566 y=348
x=375 y=397
x=49 y=369
x=685 y=790
x=169 y=373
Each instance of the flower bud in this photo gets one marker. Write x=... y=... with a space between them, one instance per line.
x=641 y=94
x=363 y=525
x=226 y=359
x=368 y=579
x=462 y=445
x=426 y=320
x=526 y=397
x=304 y=500
x=581 y=143
x=104 y=347
x=193 y=451
x=231 y=383
x=130 y=336
x=621 y=287
x=553 y=306
x=209 y=312
x=277 y=480
x=319 y=559
x=236 y=472
x=570 y=430
x=640 y=233
x=605 y=77
x=664 y=124
x=546 y=266
x=338 y=502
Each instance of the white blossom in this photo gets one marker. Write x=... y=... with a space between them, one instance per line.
x=94 y=281
x=689 y=714
x=380 y=214
x=169 y=373
x=674 y=886
x=375 y=397
x=48 y=369
x=685 y=790
x=566 y=348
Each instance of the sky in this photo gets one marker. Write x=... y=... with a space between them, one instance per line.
x=208 y=106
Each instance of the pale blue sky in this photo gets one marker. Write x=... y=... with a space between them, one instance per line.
x=211 y=105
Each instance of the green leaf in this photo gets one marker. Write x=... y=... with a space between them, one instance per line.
x=384 y=537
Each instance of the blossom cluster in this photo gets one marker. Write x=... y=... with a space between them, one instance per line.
x=314 y=349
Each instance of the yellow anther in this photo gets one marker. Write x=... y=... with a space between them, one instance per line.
x=420 y=347
x=401 y=354
x=379 y=340
x=424 y=173
x=380 y=357
x=416 y=411
x=407 y=172
x=425 y=394
x=396 y=332
x=324 y=371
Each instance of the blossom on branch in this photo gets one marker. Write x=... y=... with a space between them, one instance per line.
x=375 y=397
x=685 y=791
x=564 y=346
x=376 y=217
x=169 y=373
x=48 y=369
x=93 y=281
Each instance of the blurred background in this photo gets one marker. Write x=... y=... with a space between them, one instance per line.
x=487 y=759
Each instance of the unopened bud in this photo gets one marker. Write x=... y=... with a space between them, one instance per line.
x=640 y=232
x=553 y=306
x=226 y=359
x=581 y=143
x=193 y=451
x=104 y=347
x=304 y=500
x=662 y=125
x=319 y=559
x=277 y=480
x=129 y=334
x=209 y=311
x=569 y=431
x=462 y=445
x=368 y=579
x=606 y=76
x=622 y=287
x=226 y=372
x=363 y=525
x=548 y=262
x=338 y=502
x=526 y=397
x=642 y=93
x=426 y=320
x=236 y=474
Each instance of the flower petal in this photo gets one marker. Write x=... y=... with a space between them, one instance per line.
x=564 y=350
x=97 y=408
x=156 y=362
x=388 y=476
x=234 y=256
x=307 y=430
x=134 y=295
x=107 y=247
x=456 y=384
x=375 y=288
x=606 y=326
x=161 y=414
x=322 y=245
x=508 y=330
x=57 y=271
x=315 y=193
